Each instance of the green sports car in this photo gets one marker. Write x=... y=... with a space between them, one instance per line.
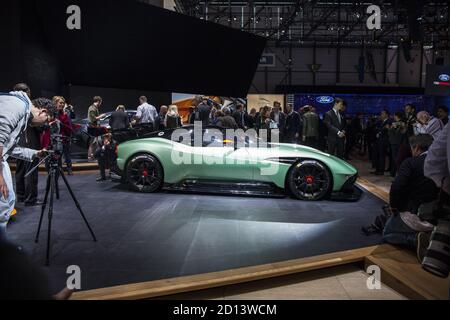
x=203 y=161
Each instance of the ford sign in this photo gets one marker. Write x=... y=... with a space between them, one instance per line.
x=325 y=99
x=444 y=77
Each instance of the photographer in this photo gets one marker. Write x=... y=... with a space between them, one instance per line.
x=27 y=187
x=409 y=191
x=65 y=129
x=16 y=113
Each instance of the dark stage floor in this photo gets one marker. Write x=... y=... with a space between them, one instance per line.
x=146 y=237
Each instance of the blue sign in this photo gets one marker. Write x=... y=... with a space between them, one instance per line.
x=444 y=77
x=267 y=60
x=325 y=99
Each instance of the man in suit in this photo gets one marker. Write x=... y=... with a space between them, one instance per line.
x=204 y=110
x=239 y=116
x=382 y=143
x=279 y=117
x=119 y=119
x=335 y=123
x=293 y=125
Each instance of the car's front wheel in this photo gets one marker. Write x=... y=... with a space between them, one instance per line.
x=309 y=180
x=144 y=173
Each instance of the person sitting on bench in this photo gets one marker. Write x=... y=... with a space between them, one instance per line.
x=410 y=190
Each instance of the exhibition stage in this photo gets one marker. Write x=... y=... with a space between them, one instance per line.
x=144 y=237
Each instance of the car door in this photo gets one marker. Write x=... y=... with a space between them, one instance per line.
x=218 y=159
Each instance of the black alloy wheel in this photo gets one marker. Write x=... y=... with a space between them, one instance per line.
x=144 y=173
x=309 y=180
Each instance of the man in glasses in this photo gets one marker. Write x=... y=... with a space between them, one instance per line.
x=16 y=114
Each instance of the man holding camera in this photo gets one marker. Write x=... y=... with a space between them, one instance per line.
x=16 y=113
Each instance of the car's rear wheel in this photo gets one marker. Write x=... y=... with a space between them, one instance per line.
x=309 y=180
x=144 y=173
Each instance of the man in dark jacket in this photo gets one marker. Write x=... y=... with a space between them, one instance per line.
x=239 y=116
x=204 y=110
x=119 y=119
x=279 y=117
x=396 y=132
x=411 y=188
x=293 y=125
x=382 y=143
x=310 y=128
x=335 y=123
x=227 y=121
x=409 y=191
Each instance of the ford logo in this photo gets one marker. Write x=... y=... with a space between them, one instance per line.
x=325 y=99
x=444 y=77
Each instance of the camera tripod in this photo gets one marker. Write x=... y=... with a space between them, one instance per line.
x=51 y=189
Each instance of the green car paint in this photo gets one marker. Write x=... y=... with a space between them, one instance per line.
x=230 y=164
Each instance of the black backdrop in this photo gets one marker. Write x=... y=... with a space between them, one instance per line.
x=122 y=44
x=132 y=45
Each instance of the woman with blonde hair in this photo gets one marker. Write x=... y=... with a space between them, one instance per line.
x=173 y=119
x=66 y=129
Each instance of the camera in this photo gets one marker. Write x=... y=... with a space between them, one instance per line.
x=437 y=257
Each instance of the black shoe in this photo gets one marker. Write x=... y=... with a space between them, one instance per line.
x=34 y=204
x=100 y=179
x=423 y=240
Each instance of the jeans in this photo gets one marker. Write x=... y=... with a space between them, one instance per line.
x=6 y=205
x=397 y=232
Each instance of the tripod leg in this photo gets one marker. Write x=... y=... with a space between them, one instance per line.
x=77 y=203
x=57 y=184
x=44 y=205
x=50 y=216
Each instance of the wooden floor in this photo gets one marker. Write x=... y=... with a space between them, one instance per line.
x=401 y=271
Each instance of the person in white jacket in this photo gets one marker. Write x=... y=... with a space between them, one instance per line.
x=427 y=124
x=16 y=113
x=437 y=163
